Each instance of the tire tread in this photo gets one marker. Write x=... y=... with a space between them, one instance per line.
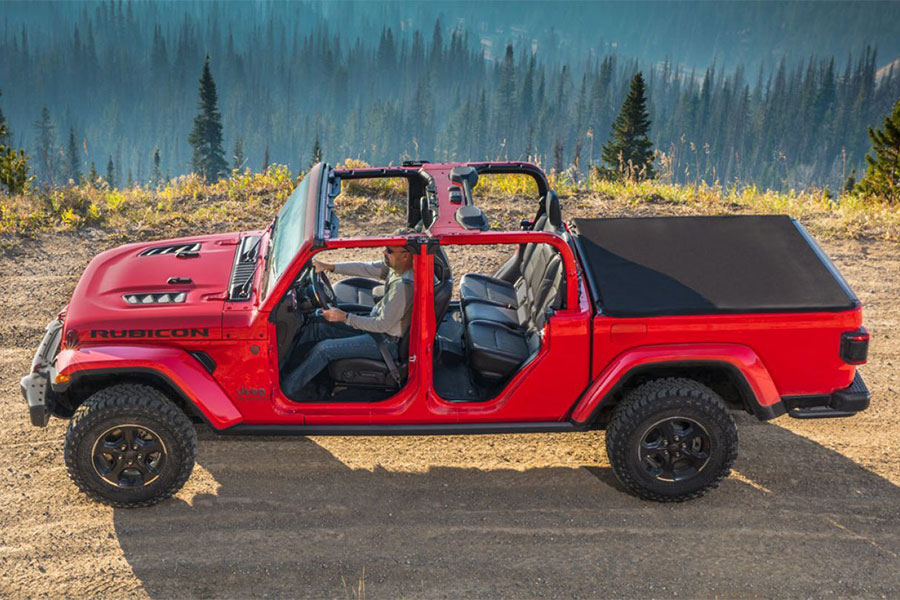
x=649 y=397
x=136 y=398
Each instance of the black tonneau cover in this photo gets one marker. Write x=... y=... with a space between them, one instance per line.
x=704 y=265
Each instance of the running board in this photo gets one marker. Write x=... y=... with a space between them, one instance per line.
x=430 y=429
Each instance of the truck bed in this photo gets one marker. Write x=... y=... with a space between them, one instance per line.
x=707 y=265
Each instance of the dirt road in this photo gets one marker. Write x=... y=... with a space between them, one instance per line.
x=813 y=508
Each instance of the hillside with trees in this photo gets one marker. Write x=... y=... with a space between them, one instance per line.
x=115 y=84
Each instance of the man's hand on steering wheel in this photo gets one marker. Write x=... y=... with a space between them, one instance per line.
x=324 y=293
x=335 y=315
x=321 y=266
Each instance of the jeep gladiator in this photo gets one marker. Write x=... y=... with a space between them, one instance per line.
x=653 y=329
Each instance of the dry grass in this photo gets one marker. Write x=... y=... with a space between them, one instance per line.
x=247 y=200
x=184 y=203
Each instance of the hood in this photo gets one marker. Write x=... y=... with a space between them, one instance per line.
x=187 y=278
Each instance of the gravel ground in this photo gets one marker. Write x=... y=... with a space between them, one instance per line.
x=812 y=509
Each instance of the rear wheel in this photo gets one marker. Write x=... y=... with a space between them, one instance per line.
x=128 y=445
x=671 y=440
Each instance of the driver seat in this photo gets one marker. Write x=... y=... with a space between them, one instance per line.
x=365 y=372
x=360 y=294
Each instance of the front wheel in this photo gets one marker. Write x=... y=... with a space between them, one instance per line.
x=671 y=440
x=128 y=446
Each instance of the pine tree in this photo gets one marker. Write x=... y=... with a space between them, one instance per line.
x=238 y=160
x=130 y=181
x=265 y=165
x=206 y=137
x=850 y=183
x=46 y=142
x=111 y=174
x=629 y=148
x=73 y=157
x=13 y=165
x=316 y=153
x=883 y=175
x=6 y=135
x=156 y=174
x=505 y=103
x=558 y=157
x=93 y=176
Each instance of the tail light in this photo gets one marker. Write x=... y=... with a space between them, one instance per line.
x=855 y=346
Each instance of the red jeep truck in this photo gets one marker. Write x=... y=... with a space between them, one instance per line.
x=651 y=328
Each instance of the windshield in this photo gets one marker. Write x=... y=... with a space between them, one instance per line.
x=290 y=229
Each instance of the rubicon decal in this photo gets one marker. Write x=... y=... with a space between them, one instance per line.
x=193 y=332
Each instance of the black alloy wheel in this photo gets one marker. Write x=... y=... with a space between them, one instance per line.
x=675 y=449
x=128 y=445
x=129 y=456
x=671 y=440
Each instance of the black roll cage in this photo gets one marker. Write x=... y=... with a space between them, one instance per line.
x=416 y=185
x=420 y=183
x=529 y=169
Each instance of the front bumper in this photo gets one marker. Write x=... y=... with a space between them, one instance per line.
x=36 y=385
x=842 y=403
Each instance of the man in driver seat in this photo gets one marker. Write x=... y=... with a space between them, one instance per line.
x=346 y=335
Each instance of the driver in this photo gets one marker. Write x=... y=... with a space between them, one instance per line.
x=347 y=335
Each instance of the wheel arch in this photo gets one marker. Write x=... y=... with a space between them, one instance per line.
x=85 y=383
x=736 y=374
x=723 y=378
x=172 y=371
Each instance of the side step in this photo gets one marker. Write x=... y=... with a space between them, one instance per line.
x=842 y=403
x=425 y=429
x=821 y=412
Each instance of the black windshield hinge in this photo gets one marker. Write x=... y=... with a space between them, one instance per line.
x=415 y=243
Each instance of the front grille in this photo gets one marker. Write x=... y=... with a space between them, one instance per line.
x=171 y=249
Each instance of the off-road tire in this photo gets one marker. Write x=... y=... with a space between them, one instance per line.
x=657 y=401
x=132 y=404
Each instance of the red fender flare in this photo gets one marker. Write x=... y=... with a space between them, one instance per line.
x=181 y=370
x=733 y=356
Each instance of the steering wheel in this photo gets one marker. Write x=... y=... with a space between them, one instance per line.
x=325 y=296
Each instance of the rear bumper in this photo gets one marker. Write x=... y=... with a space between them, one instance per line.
x=36 y=385
x=842 y=403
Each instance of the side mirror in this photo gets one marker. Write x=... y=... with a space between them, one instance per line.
x=467 y=177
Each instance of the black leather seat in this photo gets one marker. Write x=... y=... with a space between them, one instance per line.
x=542 y=292
x=492 y=290
x=494 y=351
x=499 y=339
x=360 y=294
x=365 y=372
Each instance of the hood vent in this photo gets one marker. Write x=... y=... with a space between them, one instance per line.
x=176 y=249
x=164 y=298
x=245 y=261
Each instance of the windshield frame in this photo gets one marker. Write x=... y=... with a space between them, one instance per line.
x=312 y=212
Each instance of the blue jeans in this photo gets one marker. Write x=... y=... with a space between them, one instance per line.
x=335 y=341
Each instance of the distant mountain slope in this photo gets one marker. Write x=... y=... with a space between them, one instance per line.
x=778 y=94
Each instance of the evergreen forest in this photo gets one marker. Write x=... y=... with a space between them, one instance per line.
x=113 y=86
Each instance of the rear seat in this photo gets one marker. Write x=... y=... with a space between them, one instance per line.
x=483 y=288
x=542 y=293
x=499 y=338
